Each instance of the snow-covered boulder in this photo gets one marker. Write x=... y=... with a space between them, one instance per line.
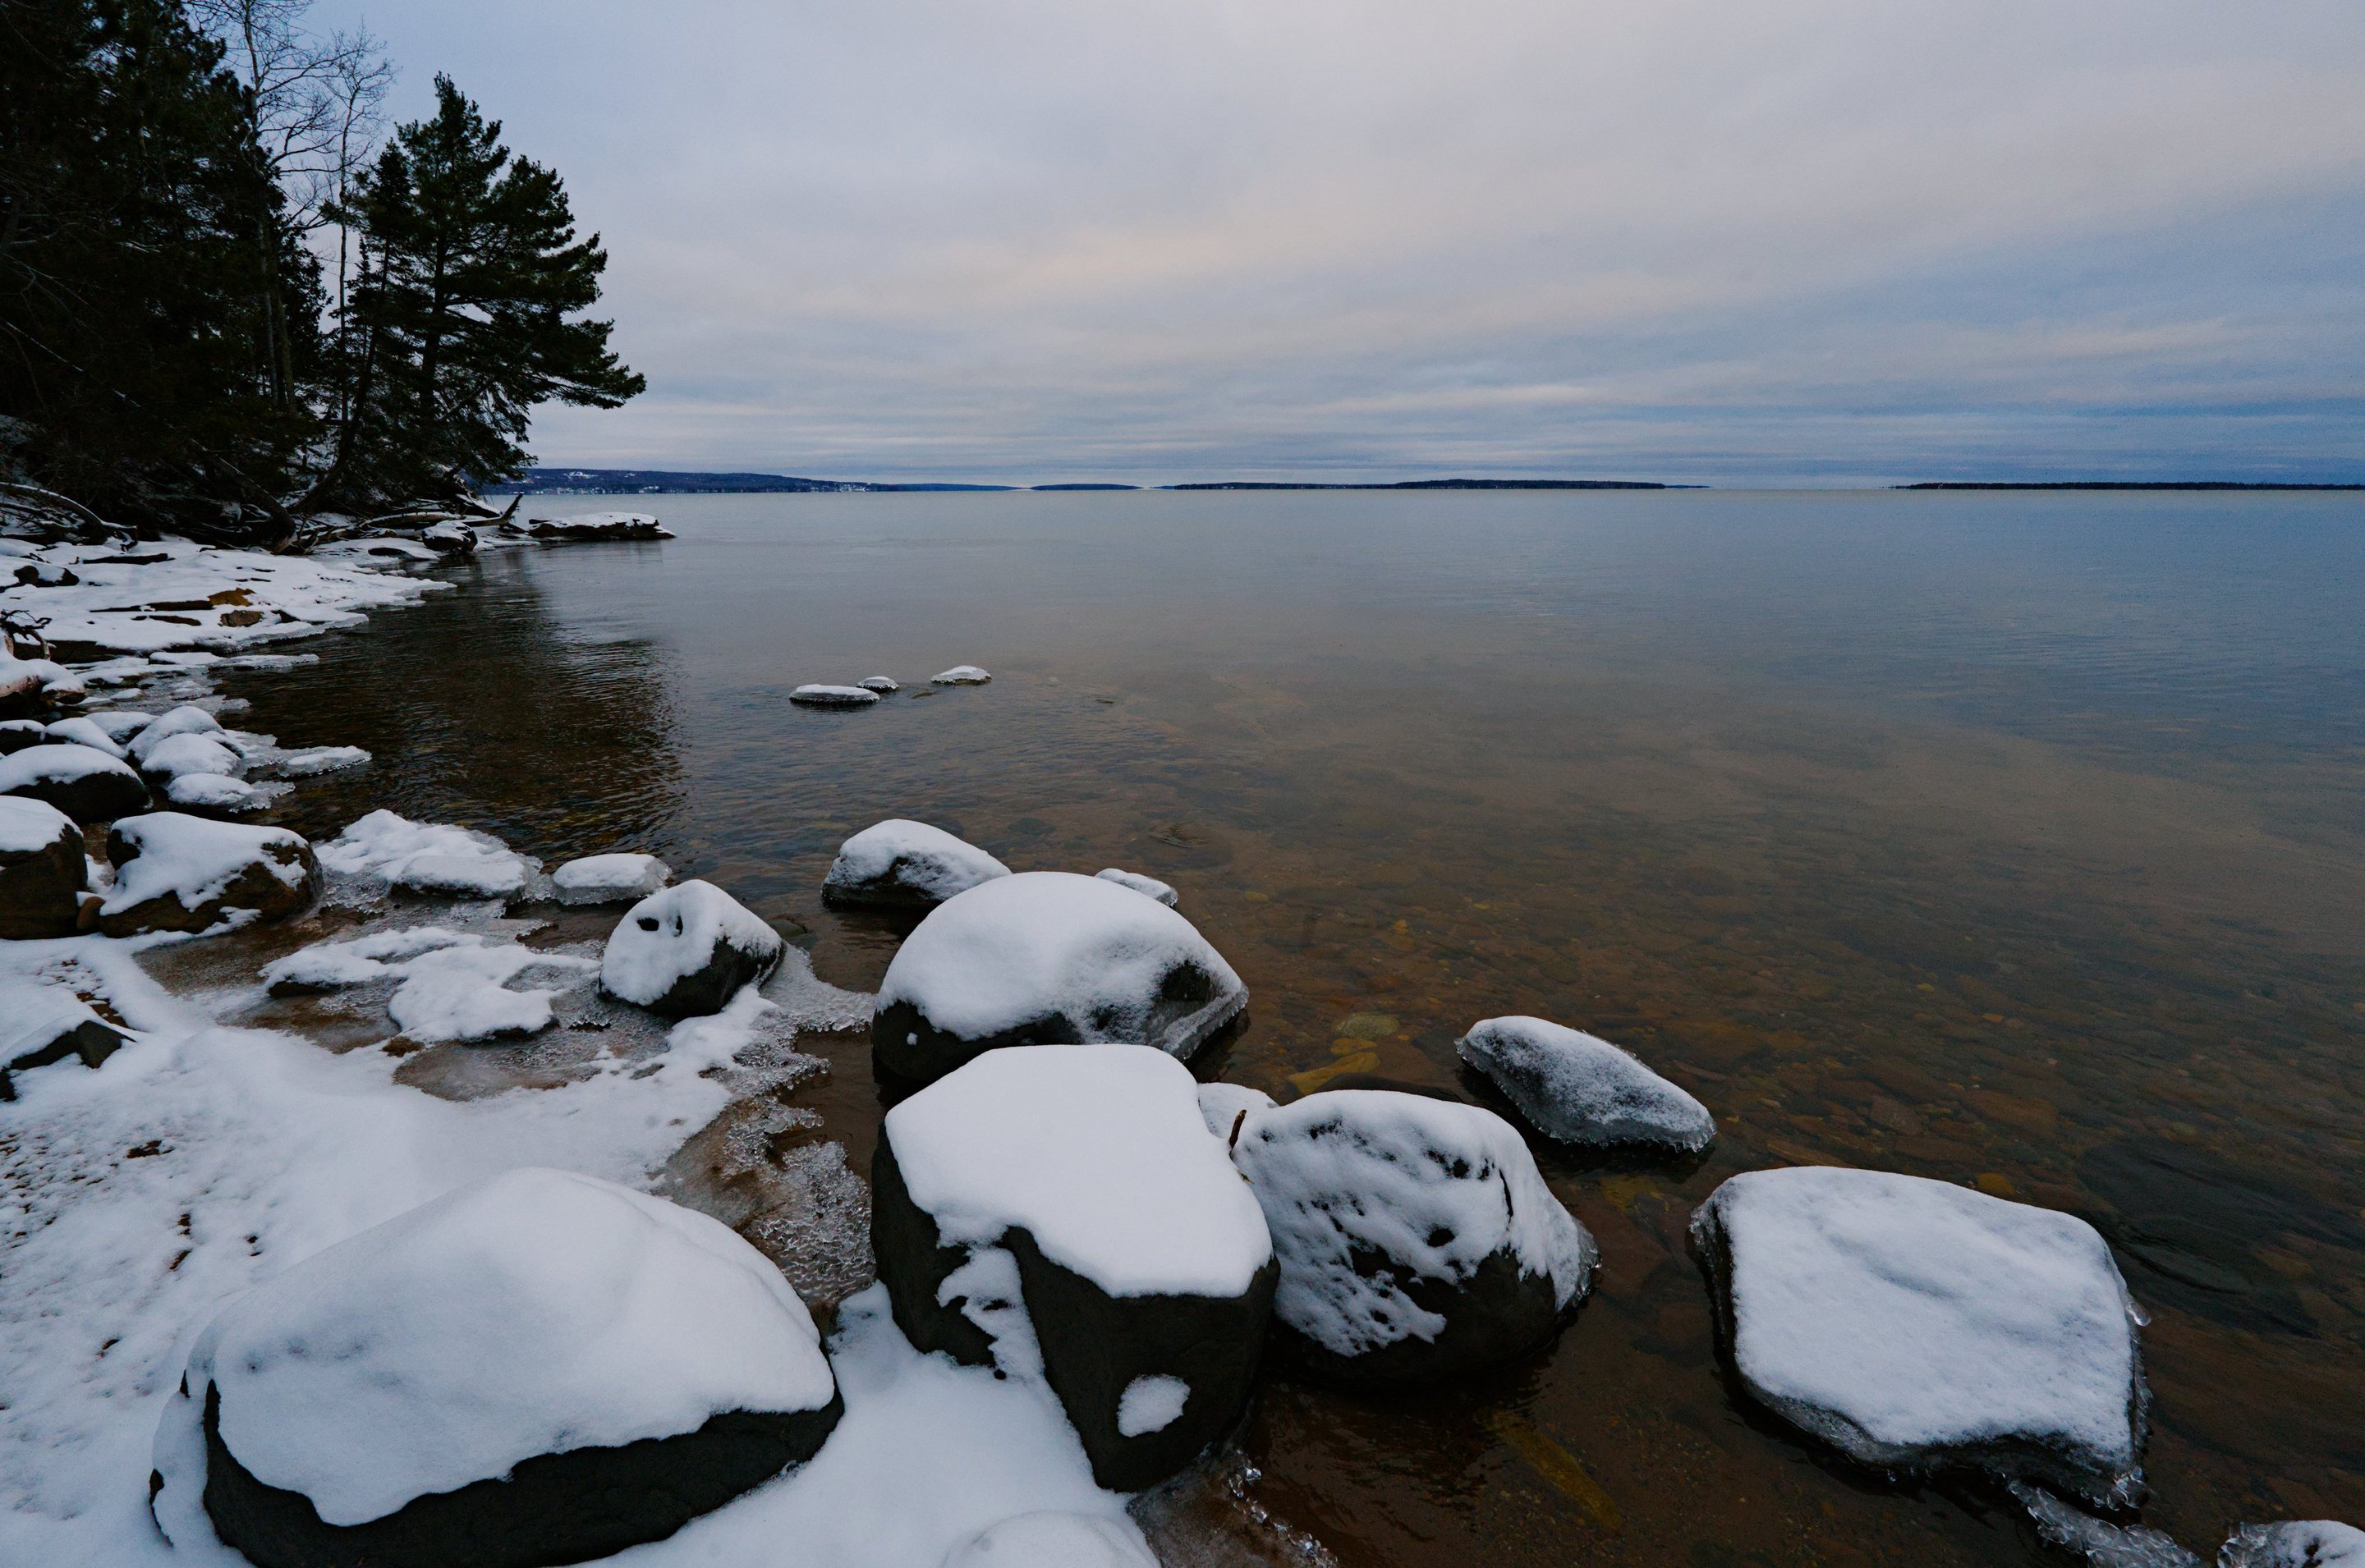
x=82 y=781
x=306 y=762
x=177 y=873
x=451 y=538
x=1417 y=1238
x=1048 y=957
x=1915 y=1325
x=815 y=696
x=1051 y=1539
x=685 y=952
x=43 y=870
x=592 y=525
x=219 y=795
x=41 y=1023
x=435 y=860
x=1580 y=1089
x=16 y=734
x=885 y=685
x=905 y=865
x=1223 y=1106
x=960 y=675
x=2295 y=1543
x=537 y=1368
x=610 y=879
x=119 y=724
x=79 y=731
x=186 y=720
x=1147 y=887
x=1062 y=1212
x=190 y=753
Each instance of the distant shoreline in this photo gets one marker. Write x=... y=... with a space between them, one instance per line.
x=2115 y=484
x=670 y=482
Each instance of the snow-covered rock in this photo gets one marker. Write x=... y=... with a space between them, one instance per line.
x=1148 y=887
x=1055 y=1541
x=1062 y=1211
x=592 y=525
x=2295 y=1543
x=16 y=734
x=539 y=1367
x=813 y=696
x=960 y=675
x=80 y=731
x=885 y=685
x=431 y=858
x=189 y=752
x=1417 y=1238
x=454 y=985
x=1916 y=1325
x=82 y=781
x=186 y=720
x=1223 y=1104
x=685 y=952
x=41 y=1023
x=218 y=794
x=452 y=538
x=306 y=762
x=906 y=865
x=177 y=873
x=43 y=870
x=119 y=724
x=1048 y=957
x=619 y=878
x=1582 y=1090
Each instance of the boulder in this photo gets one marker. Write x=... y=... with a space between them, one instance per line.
x=1047 y=958
x=186 y=720
x=41 y=1023
x=883 y=684
x=833 y=696
x=434 y=859
x=685 y=952
x=177 y=873
x=905 y=865
x=538 y=1368
x=1417 y=1238
x=1051 y=1539
x=1062 y=1212
x=1917 y=1326
x=119 y=724
x=1582 y=1090
x=449 y=538
x=219 y=795
x=2295 y=1543
x=16 y=734
x=1147 y=887
x=191 y=753
x=80 y=731
x=86 y=784
x=306 y=762
x=960 y=675
x=43 y=868
x=610 y=879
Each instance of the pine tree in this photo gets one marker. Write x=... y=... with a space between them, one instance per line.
x=470 y=268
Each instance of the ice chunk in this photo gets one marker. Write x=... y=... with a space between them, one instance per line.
x=428 y=857
x=686 y=950
x=1583 y=1090
x=1055 y=1541
x=960 y=675
x=2102 y=1543
x=610 y=879
x=1148 y=887
x=833 y=696
x=2295 y=1543
x=906 y=865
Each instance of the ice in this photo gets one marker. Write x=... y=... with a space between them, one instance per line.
x=85 y=732
x=610 y=879
x=2295 y=1543
x=1148 y=887
x=833 y=696
x=1150 y=1405
x=1902 y=1319
x=454 y=985
x=674 y=935
x=309 y=761
x=910 y=859
x=2104 y=1544
x=195 y=859
x=427 y=858
x=1055 y=1541
x=29 y=826
x=176 y=755
x=960 y=675
x=1433 y=1186
x=1223 y=1105
x=1099 y=1153
x=1583 y=1090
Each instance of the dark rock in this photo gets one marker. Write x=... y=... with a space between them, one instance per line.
x=16 y=734
x=43 y=870
x=43 y=1024
x=686 y=951
x=86 y=784
x=176 y=872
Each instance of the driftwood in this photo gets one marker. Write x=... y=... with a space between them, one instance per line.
x=49 y=512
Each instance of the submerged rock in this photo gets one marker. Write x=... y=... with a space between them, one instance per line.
x=833 y=696
x=905 y=865
x=2295 y=1543
x=1047 y=958
x=960 y=675
x=1582 y=1090
x=685 y=952
x=1417 y=1238
x=43 y=870
x=177 y=872
x=1063 y=1211
x=538 y=1368
x=1915 y=1325
x=1148 y=887
x=1055 y=1541
x=43 y=1024
x=610 y=879
x=86 y=784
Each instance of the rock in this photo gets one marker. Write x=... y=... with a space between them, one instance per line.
x=1047 y=958
x=1223 y=1104
x=1417 y=1238
x=1050 y=1540
x=2295 y=1543
x=16 y=734
x=960 y=675
x=537 y=1368
x=219 y=795
x=80 y=731
x=20 y=683
x=905 y=865
x=685 y=952
x=309 y=761
x=186 y=720
x=42 y=1024
x=436 y=859
x=176 y=872
x=592 y=525
x=1918 y=1325
x=1582 y=1090
x=43 y=870
x=610 y=879
x=188 y=752
x=833 y=696
x=449 y=538
x=1063 y=1211
x=883 y=685
x=119 y=724
x=87 y=785
x=1147 y=887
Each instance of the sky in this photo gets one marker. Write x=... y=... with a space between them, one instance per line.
x=1759 y=242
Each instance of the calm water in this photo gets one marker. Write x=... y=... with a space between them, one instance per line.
x=2012 y=840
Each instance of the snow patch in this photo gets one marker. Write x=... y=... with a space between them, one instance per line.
x=427 y=858
x=1150 y=1405
x=1148 y=887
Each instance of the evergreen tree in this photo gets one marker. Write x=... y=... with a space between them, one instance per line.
x=470 y=268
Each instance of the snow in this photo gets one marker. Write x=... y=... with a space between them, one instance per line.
x=309 y=761
x=33 y=1014
x=670 y=935
x=427 y=858
x=1013 y=950
x=1581 y=1089
x=532 y=1312
x=454 y=984
x=1150 y=1405
x=29 y=826
x=194 y=858
x=2295 y=1543
x=610 y=879
x=960 y=675
x=119 y=726
x=1434 y=1186
x=56 y=765
x=1222 y=1104
x=186 y=720
x=833 y=696
x=1148 y=887
x=82 y=732
x=925 y=859
x=220 y=792
x=1890 y=1315
x=176 y=755
x=882 y=684
x=1055 y=1541
x=1098 y=1153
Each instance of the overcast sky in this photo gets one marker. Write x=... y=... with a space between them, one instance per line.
x=1764 y=241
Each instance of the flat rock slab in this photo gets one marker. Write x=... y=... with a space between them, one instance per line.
x=178 y=872
x=1915 y=1325
x=1580 y=1089
x=432 y=859
x=903 y=865
x=685 y=952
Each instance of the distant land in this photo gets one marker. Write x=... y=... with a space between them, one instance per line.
x=2113 y=484
x=672 y=482
x=1442 y=485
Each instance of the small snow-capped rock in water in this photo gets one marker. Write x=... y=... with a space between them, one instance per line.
x=40 y=1024
x=1915 y=1325
x=899 y=864
x=2295 y=1543
x=309 y=761
x=885 y=685
x=186 y=720
x=43 y=870
x=1056 y=1541
x=610 y=879
x=1580 y=1089
x=82 y=781
x=191 y=753
x=120 y=725
x=685 y=952
x=16 y=734
x=1477 y=1261
x=833 y=696
x=1147 y=887
x=591 y=525
x=218 y=794
x=177 y=873
x=434 y=859
x=960 y=675
x=454 y=538
x=539 y=1367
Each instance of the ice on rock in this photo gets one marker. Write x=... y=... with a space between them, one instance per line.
x=610 y=879
x=1056 y=1541
x=960 y=675
x=428 y=857
x=1582 y=1090
x=1914 y=1323
x=1223 y=1105
x=460 y=991
x=832 y=696
x=1416 y=1237
x=1148 y=887
x=43 y=868
x=687 y=951
x=85 y=783
x=177 y=873
x=79 y=731
x=1045 y=958
x=2295 y=1543
x=462 y=1383
x=906 y=865
x=885 y=685
x=309 y=761
x=40 y=1024
x=2100 y=1542
x=191 y=753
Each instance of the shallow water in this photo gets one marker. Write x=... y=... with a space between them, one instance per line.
x=2012 y=840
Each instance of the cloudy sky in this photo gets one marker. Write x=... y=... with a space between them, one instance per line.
x=1762 y=241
